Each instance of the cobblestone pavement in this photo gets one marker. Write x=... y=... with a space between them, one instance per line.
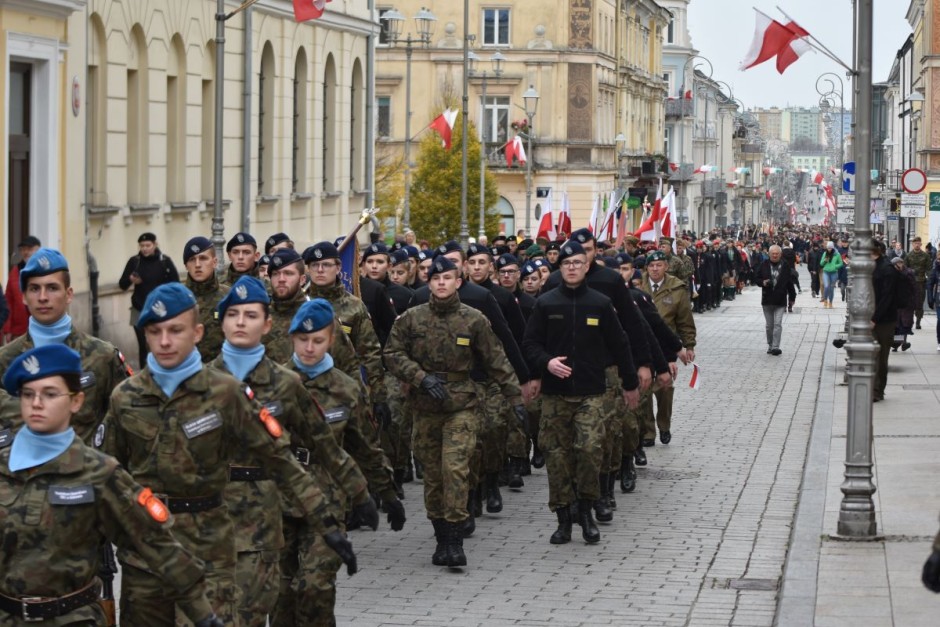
x=702 y=541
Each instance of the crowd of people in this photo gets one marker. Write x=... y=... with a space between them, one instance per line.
x=282 y=402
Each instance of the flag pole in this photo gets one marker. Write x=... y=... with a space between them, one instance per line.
x=818 y=45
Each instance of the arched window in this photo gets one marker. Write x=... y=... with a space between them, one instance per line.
x=357 y=119
x=507 y=216
x=176 y=121
x=300 y=139
x=207 y=148
x=138 y=120
x=329 y=126
x=96 y=111
x=266 y=122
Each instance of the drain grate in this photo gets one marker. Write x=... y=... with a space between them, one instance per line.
x=920 y=386
x=769 y=585
x=668 y=475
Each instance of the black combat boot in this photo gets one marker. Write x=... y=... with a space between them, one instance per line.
x=627 y=474
x=407 y=475
x=476 y=501
x=611 y=480
x=640 y=456
x=399 y=480
x=525 y=466
x=601 y=508
x=440 y=533
x=588 y=529
x=419 y=470
x=538 y=460
x=455 y=554
x=468 y=526
x=516 y=465
x=494 y=500
x=562 y=535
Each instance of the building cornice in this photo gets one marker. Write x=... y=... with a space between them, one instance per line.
x=58 y=9
x=331 y=20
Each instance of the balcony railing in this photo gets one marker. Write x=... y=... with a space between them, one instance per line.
x=679 y=108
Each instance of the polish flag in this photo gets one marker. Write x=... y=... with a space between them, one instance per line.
x=668 y=216
x=703 y=169
x=673 y=166
x=769 y=194
x=547 y=223
x=308 y=9
x=788 y=42
x=564 y=217
x=609 y=229
x=514 y=149
x=817 y=177
x=696 y=381
x=650 y=229
x=444 y=125
x=592 y=225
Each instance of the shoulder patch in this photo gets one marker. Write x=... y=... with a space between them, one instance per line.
x=6 y=438
x=270 y=423
x=71 y=495
x=249 y=393
x=154 y=506
x=99 y=436
x=127 y=367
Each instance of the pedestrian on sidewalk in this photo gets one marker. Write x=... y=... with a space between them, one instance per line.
x=830 y=264
x=885 y=280
x=906 y=289
x=919 y=262
x=812 y=262
x=933 y=293
x=776 y=281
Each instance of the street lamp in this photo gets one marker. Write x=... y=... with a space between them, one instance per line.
x=394 y=20
x=828 y=89
x=497 y=60
x=531 y=100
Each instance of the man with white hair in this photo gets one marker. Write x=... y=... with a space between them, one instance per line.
x=776 y=280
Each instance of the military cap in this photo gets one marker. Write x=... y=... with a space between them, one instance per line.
x=529 y=268
x=377 y=248
x=39 y=363
x=666 y=241
x=320 y=251
x=241 y=239
x=282 y=259
x=441 y=264
x=274 y=240
x=425 y=254
x=164 y=303
x=570 y=249
x=447 y=247
x=602 y=245
x=506 y=259
x=623 y=258
x=524 y=244
x=399 y=256
x=534 y=251
x=539 y=263
x=553 y=246
x=144 y=237
x=194 y=246
x=639 y=262
x=512 y=238
x=264 y=260
x=499 y=250
x=247 y=289
x=699 y=243
x=411 y=250
x=656 y=255
x=398 y=245
x=582 y=236
x=44 y=261
x=312 y=316
x=31 y=241
x=478 y=249
x=631 y=239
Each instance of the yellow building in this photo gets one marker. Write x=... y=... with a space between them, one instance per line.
x=595 y=65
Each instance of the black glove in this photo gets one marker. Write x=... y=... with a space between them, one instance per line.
x=396 y=514
x=340 y=545
x=210 y=621
x=368 y=514
x=931 y=574
x=433 y=386
x=382 y=414
x=522 y=416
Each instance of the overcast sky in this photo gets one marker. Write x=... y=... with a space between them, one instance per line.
x=722 y=31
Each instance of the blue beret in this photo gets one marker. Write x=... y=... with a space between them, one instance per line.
x=44 y=261
x=623 y=258
x=377 y=248
x=164 y=303
x=582 y=236
x=241 y=239
x=274 y=240
x=441 y=264
x=312 y=316
x=553 y=246
x=539 y=263
x=39 y=363
x=478 y=249
x=411 y=250
x=247 y=289
x=320 y=252
x=425 y=254
x=264 y=260
x=195 y=246
x=656 y=255
x=639 y=262
x=398 y=246
x=499 y=250
x=282 y=258
x=529 y=268
x=570 y=249
x=506 y=260
x=447 y=247
x=399 y=256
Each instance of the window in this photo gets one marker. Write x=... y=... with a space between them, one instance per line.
x=357 y=116
x=97 y=93
x=495 y=27
x=266 y=122
x=671 y=30
x=383 y=117
x=384 y=37
x=329 y=125
x=138 y=124
x=667 y=138
x=176 y=121
x=299 y=140
x=495 y=128
x=207 y=161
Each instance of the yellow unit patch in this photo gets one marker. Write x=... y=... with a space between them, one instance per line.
x=593 y=322
x=347 y=330
x=463 y=341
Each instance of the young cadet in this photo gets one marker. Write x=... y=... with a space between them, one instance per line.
x=47 y=292
x=243 y=255
x=60 y=500
x=308 y=578
x=177 y=426
x=200 y=261
x=432 y=349
x=252 y=498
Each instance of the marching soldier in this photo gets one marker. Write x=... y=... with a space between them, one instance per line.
x=920 y=264
x=200 y=261
x=243 y=255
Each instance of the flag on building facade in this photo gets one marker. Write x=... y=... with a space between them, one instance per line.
x=443 y=125
x=515 y=150
x=787 y=42
x=309 y=9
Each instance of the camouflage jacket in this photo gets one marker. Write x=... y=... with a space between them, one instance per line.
x=103 y=368
x=183 y=446
x=920 y=263
x=344 y=406
x=52 y=521
x=446 y=338
x=208 y=294
x=280 y=391
x=681 y=267
x=231 y=274
x=354 y=317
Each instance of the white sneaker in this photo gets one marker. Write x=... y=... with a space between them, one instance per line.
x=938 y=348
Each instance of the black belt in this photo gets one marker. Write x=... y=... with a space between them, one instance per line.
x=246 y=473
x=36 y=609
x=451 y=377
x=190 y=504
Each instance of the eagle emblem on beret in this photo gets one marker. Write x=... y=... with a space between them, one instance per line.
x=158 y=308
x=439 y=266
x=240 y=238
x=194 y=248
x=241 y=291
x=44 y=262
x=277 y=261
x=318 y=254
x=375 y=248
x=307 y=325
x=31 y=365
x=442 y=249
x=581 y=238
x=568 y=250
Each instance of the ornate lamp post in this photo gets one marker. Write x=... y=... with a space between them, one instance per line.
x=531 y=99
x=497 y=60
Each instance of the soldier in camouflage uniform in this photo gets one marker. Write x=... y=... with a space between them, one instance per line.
x=253 y=500
x=47 y=291
x=308 y=583
x=678 y=268
x=243 y=255
x=200 y=261
x=920 y=264
x=432 y=348
x=60 y=500
x=177 y=426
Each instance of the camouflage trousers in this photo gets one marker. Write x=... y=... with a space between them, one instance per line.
x=616 y=417
x=571 y=439
x=257 y=576
x=534 y=409
x=308 y=579
x=444 y=444
x=396 y=440
x=631 y=424
x=490 y=449
x=663 y=419
x=147 y=601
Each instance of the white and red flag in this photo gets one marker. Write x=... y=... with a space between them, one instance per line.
x=515 y=150
x=695 y=381
x=788 y=42
x=592 y=225
x=650 y=229
x=703 y=169
x=444 y=126
x=309 y=9
x=564 y=217
x=547 y=222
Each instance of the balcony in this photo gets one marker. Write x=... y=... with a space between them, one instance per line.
x=680 y=108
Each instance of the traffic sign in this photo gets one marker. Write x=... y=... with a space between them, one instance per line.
x=935 y=201
x=917 y=200
x=845 y=216
x=913 y=181
x=845 y=201
x=848 y=177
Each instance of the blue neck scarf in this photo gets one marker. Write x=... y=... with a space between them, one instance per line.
x=31 y=449
x=45 y=334
x=241 y=361
x=169 y=380
x=315 y=370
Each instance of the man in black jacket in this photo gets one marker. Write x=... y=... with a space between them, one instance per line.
x=812 y=263
x=776 y=280
x=571 y=337
x=146 y=271
x=885 y=279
